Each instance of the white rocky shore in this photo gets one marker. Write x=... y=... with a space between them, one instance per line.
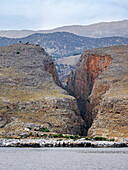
x=59 y=143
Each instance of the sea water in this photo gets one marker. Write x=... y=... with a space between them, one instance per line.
x=63 y=158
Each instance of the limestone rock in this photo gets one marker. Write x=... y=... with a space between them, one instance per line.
x=30 y=93
x=100 y=84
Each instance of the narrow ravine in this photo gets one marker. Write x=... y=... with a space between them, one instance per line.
x=99 y=85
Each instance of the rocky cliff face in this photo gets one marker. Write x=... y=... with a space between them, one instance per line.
x=30 y=95
x=81 y=81
x=99 y=83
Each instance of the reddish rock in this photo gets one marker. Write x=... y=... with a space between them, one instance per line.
x=81 y=81
x=99 y=83
x=50 y=67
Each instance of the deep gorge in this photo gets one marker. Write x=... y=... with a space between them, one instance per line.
x=81 y=81
x=31 y=95
x=99 y=85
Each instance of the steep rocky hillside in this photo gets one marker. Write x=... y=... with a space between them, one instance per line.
x=63 y=44
x=99 y=30
x=30 y=96
x=100 y=84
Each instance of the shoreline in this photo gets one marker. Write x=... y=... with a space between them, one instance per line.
x=41 y=143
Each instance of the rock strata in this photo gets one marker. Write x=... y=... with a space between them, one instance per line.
x=29 y=93
x=99 y=84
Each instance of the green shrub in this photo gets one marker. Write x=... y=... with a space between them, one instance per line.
x=27 y=42
x=44 y=129
x=44 y=135
x=87 y=138
x=17 y=52
x=60 y=135
x=111 y=139
x=55 y=135
x=99 y=138
x=66 y=136
x=75 y=136
x=20 y=41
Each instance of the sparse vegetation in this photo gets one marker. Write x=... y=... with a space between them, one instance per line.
x=44 y=135
x=66 y=136
x=44 y=129
x=112 y=140
x=74 y=137
x=87 y=138
x=61 y=135
x=55 y=135
x=99 y=138
x=71 y=137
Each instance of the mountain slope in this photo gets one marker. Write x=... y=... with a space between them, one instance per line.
x=62 y=44
x=99 y=30
x=30 y=95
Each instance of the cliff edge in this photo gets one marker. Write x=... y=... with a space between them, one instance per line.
x=30 y=96
x=100 y=85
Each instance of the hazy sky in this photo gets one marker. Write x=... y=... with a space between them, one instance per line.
x=47 y=14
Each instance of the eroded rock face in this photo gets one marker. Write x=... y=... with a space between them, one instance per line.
x=100 y=85
x=81 y=81
x=29 y=93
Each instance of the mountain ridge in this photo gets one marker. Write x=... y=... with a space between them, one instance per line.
x=96 y=30
x=62 y=44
